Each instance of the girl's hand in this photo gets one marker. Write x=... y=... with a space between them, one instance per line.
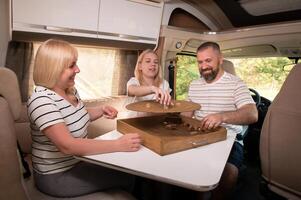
x=129 y=142
x=162 y=96
x=109 y=112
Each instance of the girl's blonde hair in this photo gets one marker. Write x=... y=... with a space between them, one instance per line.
x=53 y=56
x=138 y=72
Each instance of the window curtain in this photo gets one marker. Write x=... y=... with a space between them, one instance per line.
x=18 y=59
x=125 y=62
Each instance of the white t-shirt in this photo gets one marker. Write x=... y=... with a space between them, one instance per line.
x=134 y=81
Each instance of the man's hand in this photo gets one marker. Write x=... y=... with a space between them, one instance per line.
x=211 y=121
x=245 y=115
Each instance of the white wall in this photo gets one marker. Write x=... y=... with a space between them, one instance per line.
x=4 y=30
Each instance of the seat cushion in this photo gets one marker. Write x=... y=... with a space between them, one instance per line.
x=35 y=194
x=115 y=194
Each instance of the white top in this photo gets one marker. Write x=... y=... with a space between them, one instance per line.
x=134 y=81
x=46 y=108
x=197 y=169
x=226 y=94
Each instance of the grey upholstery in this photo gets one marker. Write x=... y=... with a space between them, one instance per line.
x=10 y=181
x=12 y=185
x=10 y=91
x=228 y=66
x=280 y=139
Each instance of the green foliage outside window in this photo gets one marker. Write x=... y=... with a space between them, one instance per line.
x=266 y=75
x=186 y=71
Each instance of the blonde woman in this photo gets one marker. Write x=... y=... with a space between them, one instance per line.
x=59 y=122
x=148 y=83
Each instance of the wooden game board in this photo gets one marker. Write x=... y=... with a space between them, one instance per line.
x=152 y=106
x=164 y=137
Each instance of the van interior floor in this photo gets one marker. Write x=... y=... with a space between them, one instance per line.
x=248 y=186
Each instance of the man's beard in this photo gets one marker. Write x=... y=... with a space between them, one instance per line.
x=209 y=76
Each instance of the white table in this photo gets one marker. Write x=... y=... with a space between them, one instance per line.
x=197 y=169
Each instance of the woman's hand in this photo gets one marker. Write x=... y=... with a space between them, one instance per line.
x=162 y=96
x=129 y=142
x=109 y=112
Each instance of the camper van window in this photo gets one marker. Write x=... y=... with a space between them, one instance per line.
x=266 y=75
x=103 y=72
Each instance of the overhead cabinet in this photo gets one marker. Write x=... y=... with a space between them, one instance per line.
x=127 y=20
x=137 y=20
x=67 y=17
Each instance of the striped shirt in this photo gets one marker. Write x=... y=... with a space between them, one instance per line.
x=46 y=108
x=229 y=93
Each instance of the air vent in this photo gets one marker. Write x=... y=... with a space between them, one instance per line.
x=193 y=43
x=265 y=7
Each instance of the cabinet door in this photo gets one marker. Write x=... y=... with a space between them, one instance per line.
x=130 y=18
x=71 y=14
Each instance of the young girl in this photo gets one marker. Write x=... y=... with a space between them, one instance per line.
x=148 y=83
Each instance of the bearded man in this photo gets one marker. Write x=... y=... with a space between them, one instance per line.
x=225 y=101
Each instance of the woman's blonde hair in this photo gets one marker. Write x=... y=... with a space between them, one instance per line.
x=138 y=72
x=53 y=56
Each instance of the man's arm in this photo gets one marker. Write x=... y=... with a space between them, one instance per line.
x=187 y=114
x=246 y=114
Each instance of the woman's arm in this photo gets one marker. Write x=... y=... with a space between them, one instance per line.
x=60 y=136
x=135 y=90
x=99 y=111
x=160 y=95
x=95 y=112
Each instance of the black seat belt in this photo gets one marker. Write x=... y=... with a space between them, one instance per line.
x=25 y=165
